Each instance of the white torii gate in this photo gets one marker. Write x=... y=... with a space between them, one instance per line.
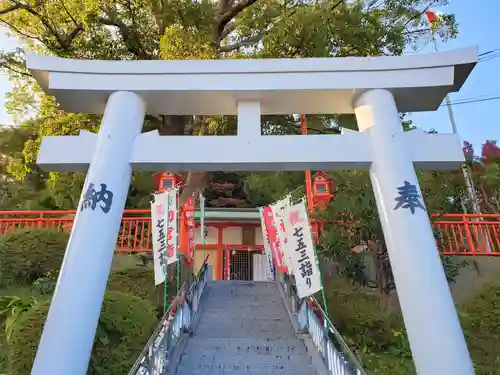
x=375 y=89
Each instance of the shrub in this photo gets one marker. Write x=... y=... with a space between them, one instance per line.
x=480 y=318
x=125 y=325
x=380 y=338
x=375 y=334
x=139 y=281
x=383 y=364
x=358 y=315
x=29 y=254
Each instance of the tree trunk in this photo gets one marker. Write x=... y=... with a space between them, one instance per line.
x=193 y=181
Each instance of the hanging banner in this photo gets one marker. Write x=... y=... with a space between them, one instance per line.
x=272 y=233
x=202 y=219
x=189 y=212
x=302 y=254
x=158 y=231
x=279 y=209
x=267 y=248
x=172 y=226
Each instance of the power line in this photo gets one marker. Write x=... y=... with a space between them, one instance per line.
x=470 y=101
x=490 y=51
x=493 y=56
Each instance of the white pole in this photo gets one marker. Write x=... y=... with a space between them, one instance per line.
x=69 y=331
x=436 y=338
x=469 y=182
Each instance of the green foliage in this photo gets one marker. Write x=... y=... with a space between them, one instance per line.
x=124 y=327
x=378 y=336
x=485 y=171
x=269 y=187
x=46 y=284
x=480 y=317
x=11 y=308
x=29 y=254
x=184 y=29
x=139 y=281
x=15 y=193
x=382 y=364
x=356 y=224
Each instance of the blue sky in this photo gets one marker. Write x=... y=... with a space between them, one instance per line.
x=478 y=25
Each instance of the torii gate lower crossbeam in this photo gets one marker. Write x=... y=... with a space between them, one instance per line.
x=434 y=332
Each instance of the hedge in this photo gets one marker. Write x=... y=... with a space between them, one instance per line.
x=139 y=281
x=379 y=337
x=125 y=324
x=30 y=253
x=480 y=318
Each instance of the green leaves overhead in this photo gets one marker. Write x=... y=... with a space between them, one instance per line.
x=187 y=29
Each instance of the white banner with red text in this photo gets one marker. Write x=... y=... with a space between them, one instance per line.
x=301 y=250
x=158 y=232
x=172 y=226
x=272 y=235
x=164 y=232
x=268 y=252
x=189 y=207
x=279 y=209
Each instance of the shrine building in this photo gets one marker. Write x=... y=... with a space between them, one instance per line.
x=233 y=238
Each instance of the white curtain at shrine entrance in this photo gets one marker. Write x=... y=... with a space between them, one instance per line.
x=260 y=267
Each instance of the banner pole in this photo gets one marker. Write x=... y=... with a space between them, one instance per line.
x=202 y=223
x=165 y=261
x=323 y=296
x=177 y=222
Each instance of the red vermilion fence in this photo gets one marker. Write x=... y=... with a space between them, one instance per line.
x=459 y=234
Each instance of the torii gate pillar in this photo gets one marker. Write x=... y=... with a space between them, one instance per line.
x=69 y=331
x=434 y=333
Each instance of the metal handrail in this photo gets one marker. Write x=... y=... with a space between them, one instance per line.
x=154 y=357
x=334 y=351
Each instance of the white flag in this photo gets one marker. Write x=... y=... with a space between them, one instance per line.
x=171 y=219
x=158 y=232
x=279 y=209
x=267 y=248
x=301 y=250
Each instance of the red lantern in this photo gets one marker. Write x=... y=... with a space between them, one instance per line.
x=166 y=180
x=322 y=190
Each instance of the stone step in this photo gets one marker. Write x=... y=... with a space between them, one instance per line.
x=228 y=320
x=309 y=370
x=245 y=288
x=234 y=346
x=248 y=303
x=244 y=314
x=235 y=368
x=236 y=312
x=244 y=328
x=247 y=298
x=244 y=359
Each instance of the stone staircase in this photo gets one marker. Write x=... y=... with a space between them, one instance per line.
x=244 y=329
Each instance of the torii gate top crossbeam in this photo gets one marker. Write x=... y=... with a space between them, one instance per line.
x=282 y=86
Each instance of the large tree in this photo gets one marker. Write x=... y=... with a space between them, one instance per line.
x=189 y=29
x=30 y=193
x=485 y=170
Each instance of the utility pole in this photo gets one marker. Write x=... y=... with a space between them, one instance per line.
x=482 y=232
x=432 y=18
x=469 y=183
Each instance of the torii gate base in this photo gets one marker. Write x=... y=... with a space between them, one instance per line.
x=260 y=86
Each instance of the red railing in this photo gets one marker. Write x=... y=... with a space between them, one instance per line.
x=459 y=234
x=468 y=234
